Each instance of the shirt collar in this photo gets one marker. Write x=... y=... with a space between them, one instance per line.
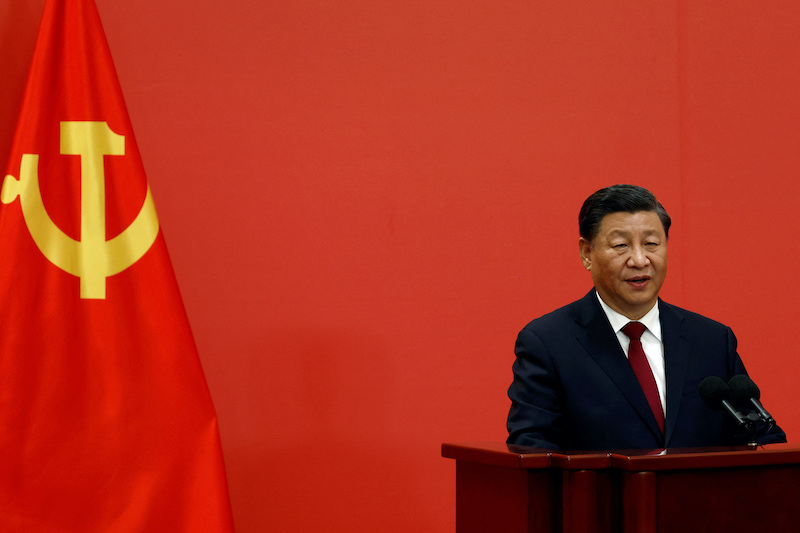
x=618 y=321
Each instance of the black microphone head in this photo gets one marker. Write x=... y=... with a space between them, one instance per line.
x=743 y=388
x=713 y=391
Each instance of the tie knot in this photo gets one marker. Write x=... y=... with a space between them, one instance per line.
x=634 y=330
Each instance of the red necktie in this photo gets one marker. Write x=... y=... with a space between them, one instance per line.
x=642 y=370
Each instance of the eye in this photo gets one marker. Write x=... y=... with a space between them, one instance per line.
x=620 y=246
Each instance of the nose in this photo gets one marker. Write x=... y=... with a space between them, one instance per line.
x=638 y=258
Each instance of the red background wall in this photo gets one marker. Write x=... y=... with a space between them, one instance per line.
x=366 y=200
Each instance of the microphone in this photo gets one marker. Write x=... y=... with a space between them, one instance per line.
x=744 y=389
x=715 y=394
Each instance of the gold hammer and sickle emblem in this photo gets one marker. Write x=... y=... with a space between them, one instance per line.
x=93 y=258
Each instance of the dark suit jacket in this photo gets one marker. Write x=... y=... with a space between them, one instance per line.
x=574 y=389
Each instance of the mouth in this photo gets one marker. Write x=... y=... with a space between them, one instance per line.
x=638 y=282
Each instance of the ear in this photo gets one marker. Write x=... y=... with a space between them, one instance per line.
x=585 y=250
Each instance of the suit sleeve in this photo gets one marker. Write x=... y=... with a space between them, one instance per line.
x=535 y=416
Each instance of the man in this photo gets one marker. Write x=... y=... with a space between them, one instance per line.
x=585 y=380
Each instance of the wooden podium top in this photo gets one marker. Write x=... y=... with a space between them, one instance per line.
x=513 y=456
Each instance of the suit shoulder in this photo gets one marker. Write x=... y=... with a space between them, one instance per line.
x=690 y=318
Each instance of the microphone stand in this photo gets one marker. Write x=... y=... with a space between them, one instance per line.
x=747 y=422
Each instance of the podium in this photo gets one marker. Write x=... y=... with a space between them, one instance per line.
x=512 y=489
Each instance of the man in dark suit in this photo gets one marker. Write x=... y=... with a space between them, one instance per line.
x=585 y=380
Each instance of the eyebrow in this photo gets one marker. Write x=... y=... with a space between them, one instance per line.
x=625 y=233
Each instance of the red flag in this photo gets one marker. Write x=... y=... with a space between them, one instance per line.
x=106 y=422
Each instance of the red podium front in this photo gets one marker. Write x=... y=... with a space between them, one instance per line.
x=516 y=489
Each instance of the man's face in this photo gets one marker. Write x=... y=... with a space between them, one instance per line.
x=628 y=261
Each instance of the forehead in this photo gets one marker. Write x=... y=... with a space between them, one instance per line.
x=638 y=223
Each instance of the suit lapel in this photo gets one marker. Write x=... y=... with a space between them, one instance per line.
x=676 y=361
x=600 y=341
